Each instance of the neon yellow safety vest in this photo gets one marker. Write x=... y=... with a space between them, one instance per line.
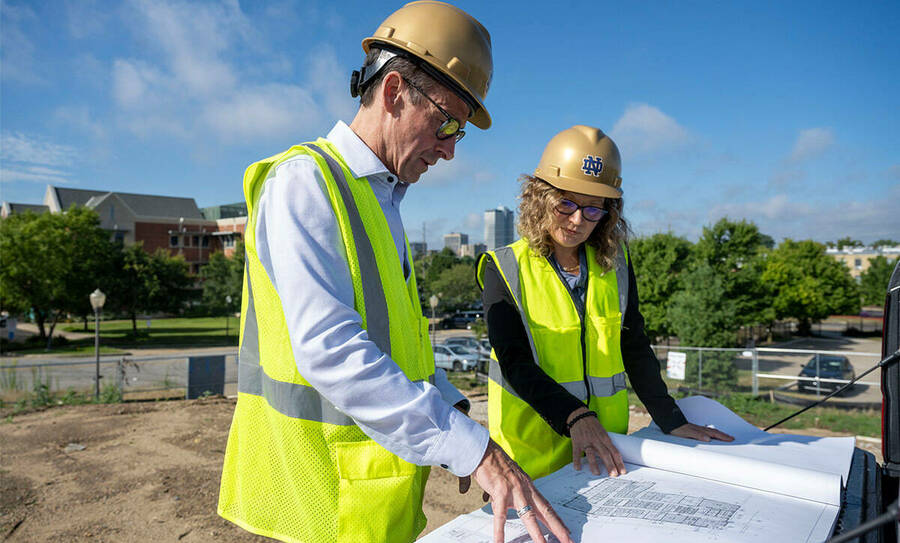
x=296 y=468
x=584 y=356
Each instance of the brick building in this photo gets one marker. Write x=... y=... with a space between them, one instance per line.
x=171 y=223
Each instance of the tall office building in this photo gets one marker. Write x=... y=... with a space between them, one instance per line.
x=418 y=248
x=499 y=227
x=455 y=240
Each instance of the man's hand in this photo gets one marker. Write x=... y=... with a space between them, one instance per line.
x=589 y=439
x=700 y=433
x=510 y=488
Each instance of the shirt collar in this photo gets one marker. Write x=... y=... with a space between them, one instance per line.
x=359 y=158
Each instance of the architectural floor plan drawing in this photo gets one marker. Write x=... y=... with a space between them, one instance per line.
x=621 y=498
x=689 y=492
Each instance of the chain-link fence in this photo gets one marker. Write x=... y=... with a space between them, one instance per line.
x=122 y=377
x=788 y=373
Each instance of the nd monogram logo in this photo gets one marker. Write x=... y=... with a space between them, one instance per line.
x=592 y=165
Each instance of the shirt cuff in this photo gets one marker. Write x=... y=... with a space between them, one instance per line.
x=461 y=449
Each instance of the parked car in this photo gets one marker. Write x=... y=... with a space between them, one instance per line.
x=466 y=341
x=461 y=319
x=829 y=367
x=454 y=357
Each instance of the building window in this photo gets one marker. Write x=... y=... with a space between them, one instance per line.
x=196 y=241
x=204 y=242
x=173 y=241
x=228 y=242
x=858 y=263
x=119 y=238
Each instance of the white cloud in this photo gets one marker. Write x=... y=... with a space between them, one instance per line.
x=81 y=119
x=195 y=83
x=261 y=111
x=781 y=216
x=18 y=147
x=17 y=52
x=33 y=174
x=812 y=143
x=474 y=221
x=644 y=129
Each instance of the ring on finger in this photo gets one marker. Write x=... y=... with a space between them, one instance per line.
x=523 y=511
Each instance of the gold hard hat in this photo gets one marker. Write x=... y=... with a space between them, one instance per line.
x=582 y=159
x=449 y=40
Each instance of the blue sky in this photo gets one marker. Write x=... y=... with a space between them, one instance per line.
x=783 y=113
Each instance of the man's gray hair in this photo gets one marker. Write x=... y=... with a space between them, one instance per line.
x=405 y=68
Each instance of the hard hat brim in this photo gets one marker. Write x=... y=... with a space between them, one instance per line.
x=579 y=186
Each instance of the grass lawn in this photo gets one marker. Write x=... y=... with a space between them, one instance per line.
x=194 y=332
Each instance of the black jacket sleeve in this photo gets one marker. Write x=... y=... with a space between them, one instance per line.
x=642 y=366
x=507 y=335
x=550 y=400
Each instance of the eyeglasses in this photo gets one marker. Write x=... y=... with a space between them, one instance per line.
x=448 y=128
x=590 y=213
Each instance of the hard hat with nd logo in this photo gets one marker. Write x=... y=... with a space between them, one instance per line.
x=582 y=159
x=445 y=42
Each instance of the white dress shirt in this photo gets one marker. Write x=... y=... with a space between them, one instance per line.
x=300 y=247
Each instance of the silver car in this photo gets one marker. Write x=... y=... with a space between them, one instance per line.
x=454 y=357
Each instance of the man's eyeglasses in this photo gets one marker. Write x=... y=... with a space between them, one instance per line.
x=450 y=127
x=590 y=213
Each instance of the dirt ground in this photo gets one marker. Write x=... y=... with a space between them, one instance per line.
x=146 y=472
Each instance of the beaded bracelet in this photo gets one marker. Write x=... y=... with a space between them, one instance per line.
x=586 y=414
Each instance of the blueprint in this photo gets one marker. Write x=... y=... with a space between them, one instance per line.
x=687 y=494
x=826 y=454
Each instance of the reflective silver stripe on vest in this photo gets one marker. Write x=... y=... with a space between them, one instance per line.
x=377 y=323
x=302 y=401
x=601 y=387
x=622 y=283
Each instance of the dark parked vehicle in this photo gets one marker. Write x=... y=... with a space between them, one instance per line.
x=829 y=367
x=463 y=319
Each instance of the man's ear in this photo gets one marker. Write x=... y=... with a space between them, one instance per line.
x=391 y=92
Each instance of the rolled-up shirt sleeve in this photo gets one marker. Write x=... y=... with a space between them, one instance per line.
x=300 y=247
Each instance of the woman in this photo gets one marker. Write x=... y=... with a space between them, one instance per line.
x=563 y=320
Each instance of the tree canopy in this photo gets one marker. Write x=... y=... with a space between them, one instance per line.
x=659 y=262
x=808 y=284
x=874 y=281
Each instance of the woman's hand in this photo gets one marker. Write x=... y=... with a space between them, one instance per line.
x=589 y=439
x=700 y=433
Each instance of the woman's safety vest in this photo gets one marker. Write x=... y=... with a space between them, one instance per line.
x=296 y=468
x=580 y=352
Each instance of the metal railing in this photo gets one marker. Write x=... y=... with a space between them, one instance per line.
x=132 y=376
x=768 y=363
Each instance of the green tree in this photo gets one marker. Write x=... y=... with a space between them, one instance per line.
x=735 y=251
x=149 y=283
x=808 y=284
x=702 y=315
x=222 y=278
x=848 y=242
x=51 y=262
x=884 y=243
x=659 y=262
x=456 y=287
x=874 y=281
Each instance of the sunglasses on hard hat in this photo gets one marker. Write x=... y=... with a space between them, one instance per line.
x=590 y=213
x=450 y=127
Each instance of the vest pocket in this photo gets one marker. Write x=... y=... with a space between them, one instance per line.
x=379 y=494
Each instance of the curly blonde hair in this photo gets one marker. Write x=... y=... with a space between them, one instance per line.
x=537 y=200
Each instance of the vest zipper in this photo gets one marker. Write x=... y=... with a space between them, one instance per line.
x=587 y=381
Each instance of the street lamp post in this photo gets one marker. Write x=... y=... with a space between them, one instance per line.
x=97 y=300
x=433 y=301
x=227 y=314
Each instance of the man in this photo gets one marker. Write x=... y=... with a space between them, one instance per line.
x=339 y=410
